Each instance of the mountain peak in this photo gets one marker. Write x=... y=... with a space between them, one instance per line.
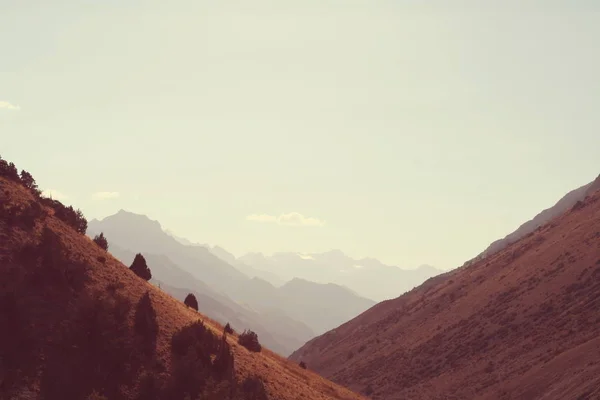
x=128 y=217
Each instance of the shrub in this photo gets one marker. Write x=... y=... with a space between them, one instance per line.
x=254 y=389
x=145 y=324
x=73 y=218
x=22 y=216
x=302 y=365
x=190 y=301
x=249 y=340
x=8 y=170
x=223 y=363
x=140 y=268
x=193 y=349
x=228 y=329
x=28 y=181
x=101 y=241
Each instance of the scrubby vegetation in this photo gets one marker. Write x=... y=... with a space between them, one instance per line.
x=249 y=340
x=101 y=241
x=70 y=216
x=228 y=329
x=140 y=268
x=145 y=324
x=190 y=301
x=302 y=365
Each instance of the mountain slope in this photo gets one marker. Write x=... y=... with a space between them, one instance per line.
x=324 y=306
x=520 y=324
x=80 y=321
x=564 y=204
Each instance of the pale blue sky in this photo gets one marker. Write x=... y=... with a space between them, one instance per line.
x=416 y=133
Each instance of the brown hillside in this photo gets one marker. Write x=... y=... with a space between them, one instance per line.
x=522 y=324
x=73 y=320
x=563 y=205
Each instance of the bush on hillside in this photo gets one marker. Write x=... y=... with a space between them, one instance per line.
x=249 y=340
x=57 y=271
x=228 y=329
x=145 y=324
x=27 y=180
x=193 y=348
x=302 y=365
x=101 y=241
x=73 y=218
x=23 y=216
x=9 y=170
x=254 y=389
x=140 y=268
x=190 y=301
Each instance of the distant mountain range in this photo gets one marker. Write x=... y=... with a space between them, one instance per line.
x=367 y=277
x=286 y=316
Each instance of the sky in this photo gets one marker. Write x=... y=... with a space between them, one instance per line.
x=413 y=132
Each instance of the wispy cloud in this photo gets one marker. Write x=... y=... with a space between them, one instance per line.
x=54 y=194
x=8 y=106
x=289 y=219
x=106 y=195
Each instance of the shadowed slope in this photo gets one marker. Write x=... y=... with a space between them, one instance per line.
x=78 y=320
x=521 y=324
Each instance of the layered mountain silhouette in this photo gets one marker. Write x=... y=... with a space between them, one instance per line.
x=280 y=333
x=521 y=323
x=78 y=324
x=288 y=313
x=367 y=277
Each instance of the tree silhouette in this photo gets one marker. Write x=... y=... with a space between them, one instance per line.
x=9 y=170
x=145 y=324
x=101 y=241
x=249 y=340
x=140 y=268
x=28 y=181
x=228 y=329
x=190 y=301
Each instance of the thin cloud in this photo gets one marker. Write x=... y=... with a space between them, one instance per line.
x=8 y=106
x=106 y=195
x=54 y=194
x=289 y=219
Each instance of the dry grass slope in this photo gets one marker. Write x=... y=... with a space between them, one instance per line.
x=42 y=307
x=521 y=324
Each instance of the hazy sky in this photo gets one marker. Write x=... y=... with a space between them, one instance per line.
x=407 y=132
